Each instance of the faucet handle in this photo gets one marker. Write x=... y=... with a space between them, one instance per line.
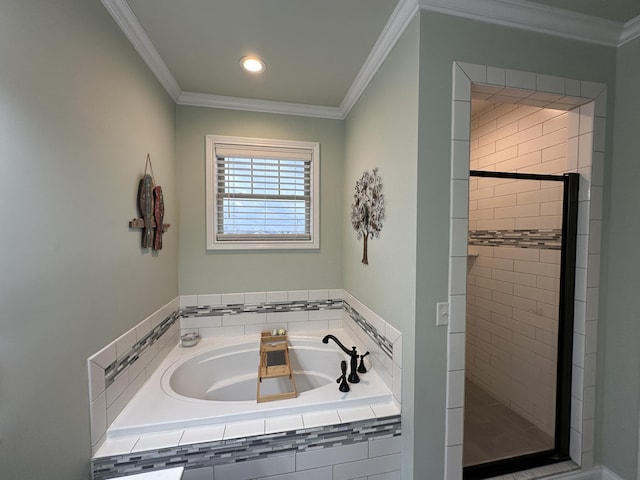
x=361 y=367
x=344 y=386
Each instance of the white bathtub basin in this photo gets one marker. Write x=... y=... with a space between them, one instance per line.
x=229 y=374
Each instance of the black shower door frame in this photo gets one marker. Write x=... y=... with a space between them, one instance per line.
x=560 y=452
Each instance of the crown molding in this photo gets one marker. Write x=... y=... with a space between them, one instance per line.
x=130 y=26
x=533 y=17
x=252 y=105
x=519 y=14
x=394 y=28
x=631 y=31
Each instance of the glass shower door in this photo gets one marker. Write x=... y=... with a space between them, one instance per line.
x=519 y=322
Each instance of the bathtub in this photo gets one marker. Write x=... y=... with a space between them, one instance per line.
x=215 y=383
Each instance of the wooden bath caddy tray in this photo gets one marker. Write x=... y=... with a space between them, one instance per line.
x=275 y=363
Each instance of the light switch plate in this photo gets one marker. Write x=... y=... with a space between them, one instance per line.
x=442 y=315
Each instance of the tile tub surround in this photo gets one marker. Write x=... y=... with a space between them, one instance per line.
x=380 y=338
x=352 y=449
x=118 y=371
x=222 y=315
x=257 y=314
x=237 y=314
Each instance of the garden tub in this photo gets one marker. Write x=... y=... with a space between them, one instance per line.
x=215 y=383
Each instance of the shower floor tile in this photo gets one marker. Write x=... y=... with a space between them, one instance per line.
x=492 y=431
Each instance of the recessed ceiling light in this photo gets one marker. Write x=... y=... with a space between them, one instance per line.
x=252 y=64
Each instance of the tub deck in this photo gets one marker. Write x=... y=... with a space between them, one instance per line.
x=156 y=418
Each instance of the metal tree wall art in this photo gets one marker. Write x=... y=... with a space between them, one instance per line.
x=367 y=210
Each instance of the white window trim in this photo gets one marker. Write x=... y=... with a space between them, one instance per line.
x=211 y=191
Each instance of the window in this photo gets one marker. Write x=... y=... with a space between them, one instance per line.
x=261 y=193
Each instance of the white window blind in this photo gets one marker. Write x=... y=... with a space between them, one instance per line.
x=263 y=193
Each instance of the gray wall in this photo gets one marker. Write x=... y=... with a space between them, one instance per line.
x=79 y=111
x=203 y=271
x=381 y=132
x=444 y=39
x=618 y=345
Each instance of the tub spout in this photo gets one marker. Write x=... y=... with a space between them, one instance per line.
x=353 y=374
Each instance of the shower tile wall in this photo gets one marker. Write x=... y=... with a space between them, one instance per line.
x=585 y=155
x=512 y=328
x=519 y=138
x=512 y=292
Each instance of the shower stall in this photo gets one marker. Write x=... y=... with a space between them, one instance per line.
x=520 y=297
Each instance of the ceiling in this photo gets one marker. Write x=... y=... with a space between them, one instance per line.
x=320 y=54
x=616 y=10
x=313 y=49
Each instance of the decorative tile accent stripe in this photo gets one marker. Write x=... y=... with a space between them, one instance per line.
x=121 y=364
x=543 y=239
x=222 y=452
x=385 y=344
x=274 y=307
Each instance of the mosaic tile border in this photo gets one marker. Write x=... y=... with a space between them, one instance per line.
x=383 y=342
x=266 y=307
x=527 y=238
x=113 y=370
x=223 y=452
